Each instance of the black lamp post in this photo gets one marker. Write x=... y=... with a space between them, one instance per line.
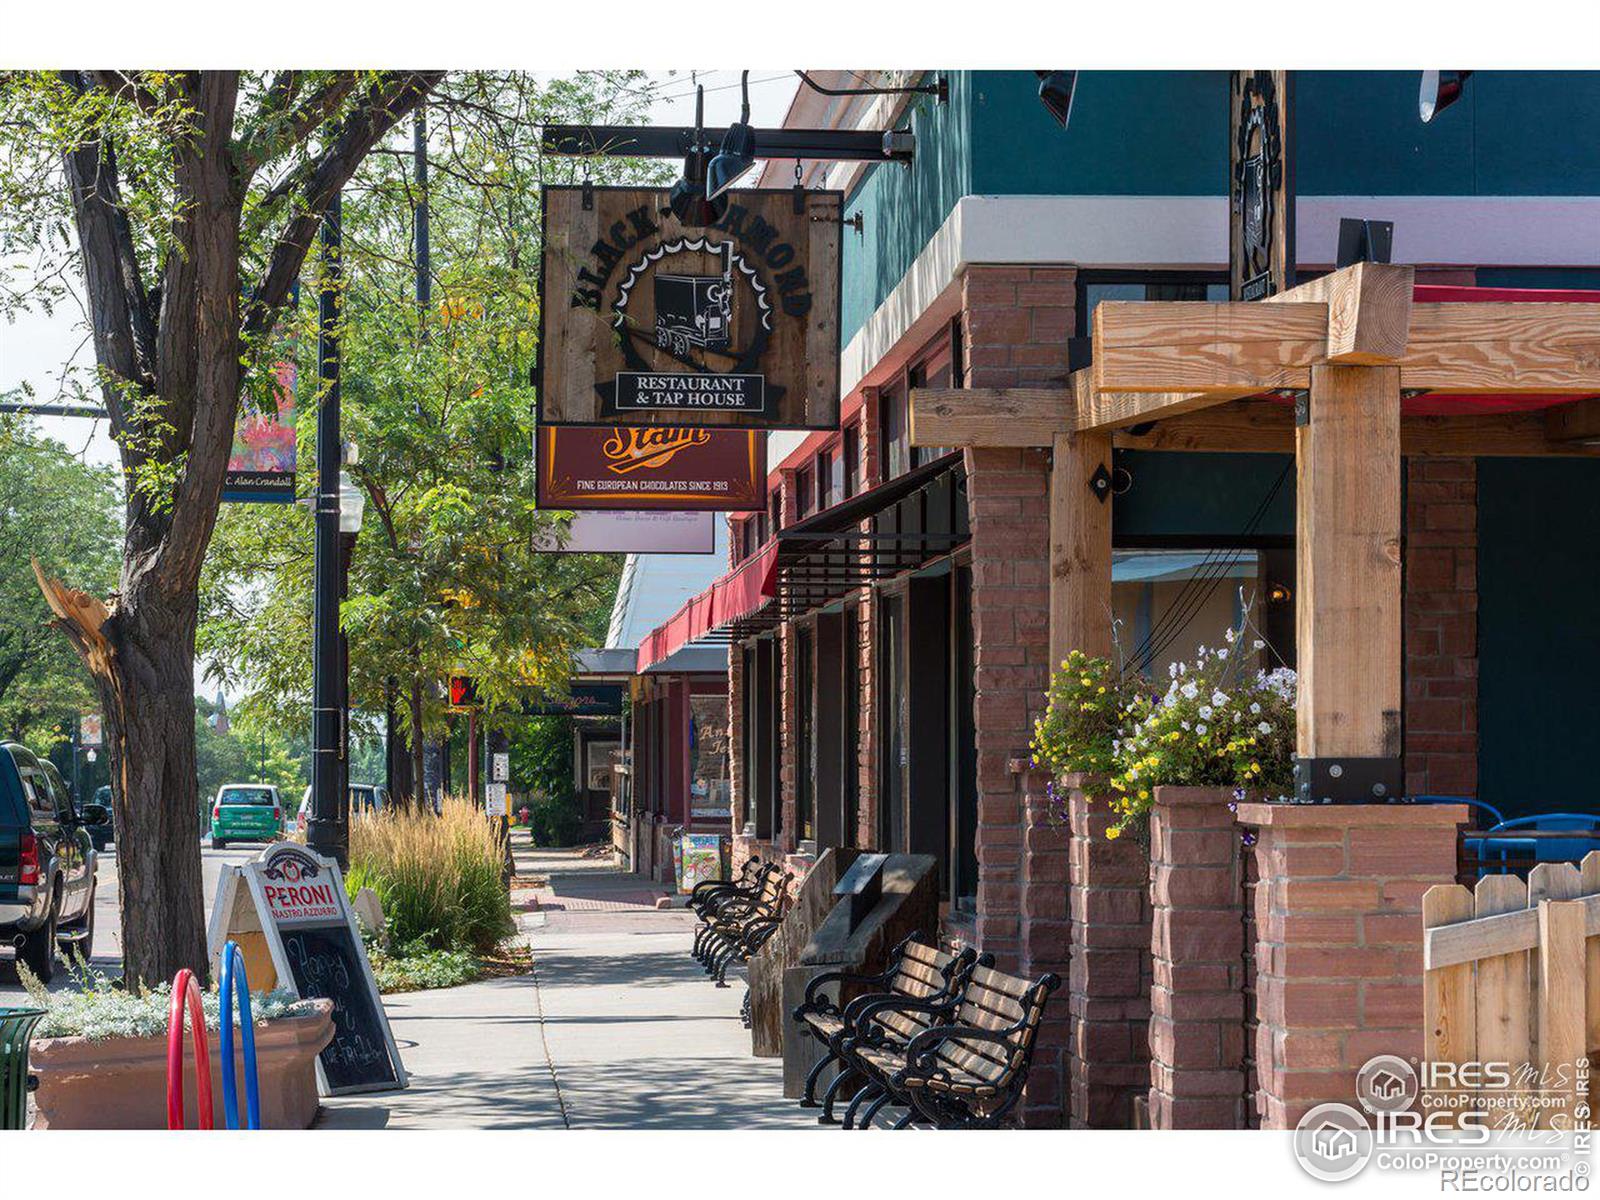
x=328 y=829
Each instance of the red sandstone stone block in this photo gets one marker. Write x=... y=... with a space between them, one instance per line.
x=1098 y=972
x=1197 y=887
x=1311 y=895
x=1336 y=962
x=1196 y=1082
x=1317 y=1087
x=1385 y=1005
x=1192 y=977
x=1319 y=1005
x=1405 y=895
x=1181 y=1044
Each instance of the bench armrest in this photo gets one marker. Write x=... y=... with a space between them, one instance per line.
x=920 y=1050
x=858 y=1014
x=818 y=1003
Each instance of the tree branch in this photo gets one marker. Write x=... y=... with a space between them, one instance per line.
x=278 y=130
x=124 y=328
x=385 y=103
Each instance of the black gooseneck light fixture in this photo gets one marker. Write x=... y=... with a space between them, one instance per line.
x=1055 y=93
x=1440 y=89
x=738 y=153
x=688 y=199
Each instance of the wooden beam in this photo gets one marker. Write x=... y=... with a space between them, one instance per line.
x=1348 y=536
x=1576 y=422
x=1369 y=310
x=1192 y=350
x=1080 y=547
x=1193 y=346
x=989 y=416
x=1504 y=348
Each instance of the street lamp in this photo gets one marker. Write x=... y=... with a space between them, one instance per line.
x=352 y=504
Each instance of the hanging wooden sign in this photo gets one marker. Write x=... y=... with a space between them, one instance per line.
x=656 y=467
x=289 y=912
x=1261 y=187
x=646 y=321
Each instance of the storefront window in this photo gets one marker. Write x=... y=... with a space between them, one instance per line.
x=805 y=706
x=893 y=427
x=709 y=781
x=852 y=459
x=805 y=494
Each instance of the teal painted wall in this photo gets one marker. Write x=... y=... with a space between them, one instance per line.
x=1538 y=634
x=904 y=206
x=1165 y=133
x=1181 y=495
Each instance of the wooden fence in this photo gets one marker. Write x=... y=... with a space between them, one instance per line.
x=1513 y=977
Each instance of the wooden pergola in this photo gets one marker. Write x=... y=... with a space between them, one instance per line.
x=1324 y=371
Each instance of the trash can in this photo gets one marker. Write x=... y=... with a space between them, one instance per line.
x=16 y=1028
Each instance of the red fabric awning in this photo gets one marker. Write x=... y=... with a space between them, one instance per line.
x=736 y=596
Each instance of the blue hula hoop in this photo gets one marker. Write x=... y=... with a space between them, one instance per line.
x=236 y=982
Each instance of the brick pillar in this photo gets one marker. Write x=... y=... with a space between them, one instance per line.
x=1006 y=492
x=1339 y=950
x=1109 y=983
x=1441 y=624
x=1046 y=943
x=1197 y=1078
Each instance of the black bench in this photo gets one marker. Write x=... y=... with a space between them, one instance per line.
x=916 y=972
x=736 y=925
x=964 y=1072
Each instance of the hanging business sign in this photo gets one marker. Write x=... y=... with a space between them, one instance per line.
x=651 y=467
x=634 y=533
x=1261 y=189
x=581 y=700
x=646 y=321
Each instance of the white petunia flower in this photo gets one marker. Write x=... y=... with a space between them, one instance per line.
x=1205 y=711
x=1263 y=728
x=1230 y=635
x=1200 y=729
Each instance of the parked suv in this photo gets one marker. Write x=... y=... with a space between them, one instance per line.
x=246 y=812
x=47 y=863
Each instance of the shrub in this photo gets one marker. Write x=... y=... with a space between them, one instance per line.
x=103 y=1009
x=554 y=819
x=438 y=877
x=416 y=967
x=1219 y=723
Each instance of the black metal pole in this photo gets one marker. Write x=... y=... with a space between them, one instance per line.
x=324 y=832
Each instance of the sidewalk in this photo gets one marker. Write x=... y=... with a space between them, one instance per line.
x=617 y=1028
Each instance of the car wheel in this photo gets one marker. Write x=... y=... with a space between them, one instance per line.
x=38 y=951
x=217 y=843
x=79 y=935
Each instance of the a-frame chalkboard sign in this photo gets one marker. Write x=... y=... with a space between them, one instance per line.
x=288 y=912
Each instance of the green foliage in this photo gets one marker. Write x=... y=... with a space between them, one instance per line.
x=554 y=820
x=416 y=967
x=250 y=752
x=1222 y=722
x=1088 y=699
x=438 y=878
x=99 y=1008
x=446 y=573
x=63 y=513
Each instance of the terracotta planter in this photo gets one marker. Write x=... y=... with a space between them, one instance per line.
x=121 y=1083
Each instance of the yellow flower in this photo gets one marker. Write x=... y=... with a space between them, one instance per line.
x=1113 y=834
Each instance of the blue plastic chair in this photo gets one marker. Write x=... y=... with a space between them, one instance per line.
x=1545 y=849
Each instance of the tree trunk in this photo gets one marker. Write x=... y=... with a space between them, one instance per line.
x=417 y=772
x=149 y=707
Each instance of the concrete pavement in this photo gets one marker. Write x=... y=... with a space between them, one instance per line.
x=617 y=1028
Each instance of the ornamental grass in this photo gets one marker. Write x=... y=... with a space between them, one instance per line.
x=439 y=878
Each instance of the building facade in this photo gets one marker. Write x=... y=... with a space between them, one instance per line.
x=888 y=614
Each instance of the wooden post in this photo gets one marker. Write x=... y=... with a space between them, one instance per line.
x=1080 y=547
x=1347 y=610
